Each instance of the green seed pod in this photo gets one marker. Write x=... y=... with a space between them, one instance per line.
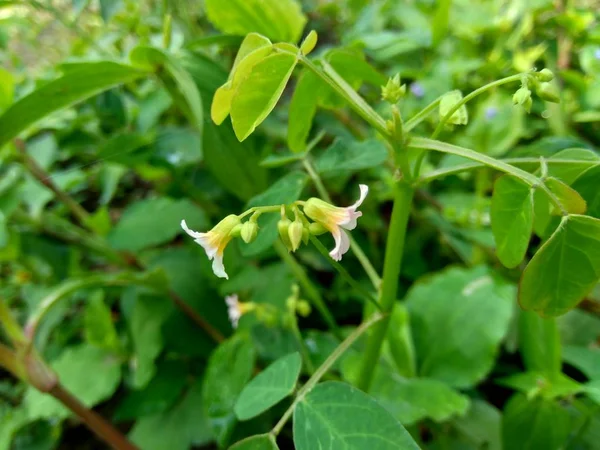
x=283 y=227
x=548 y=92
x=249 y=231
x=295 y=234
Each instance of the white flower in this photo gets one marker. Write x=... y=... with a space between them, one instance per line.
x=336 y=220
x=236 y=309
x=215 y=241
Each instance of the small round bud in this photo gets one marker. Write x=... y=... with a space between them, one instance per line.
x=236 y=231
x=548 y=92
x=523 y=97
x=290 y=303
x=295 y=231
x=283 y=227
x=545 y=75
x=249 y=231
x=303 y=308
x=316 y=229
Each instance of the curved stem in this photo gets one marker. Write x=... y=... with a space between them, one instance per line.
x=421 y=115
x=322 y=370
x=356 y=249
x=403 y=197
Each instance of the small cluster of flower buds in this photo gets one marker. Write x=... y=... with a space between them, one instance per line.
x=325 y=216
x=393 y=91
x=543 y=88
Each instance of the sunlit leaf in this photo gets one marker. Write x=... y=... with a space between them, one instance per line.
x=259 y=442
x=448 y=101
x=302 y=110
x=567 y=196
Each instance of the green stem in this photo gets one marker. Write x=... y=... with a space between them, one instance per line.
x=403 y=197
x=356 y=249
x=322 y=370
x=302 y=346
x=421 y=115
x=309 y=288
x=8 y=360
x=11 y=326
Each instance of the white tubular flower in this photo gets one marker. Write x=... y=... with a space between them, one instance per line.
x=336 y=220
x=214 y=241
x=236 y=309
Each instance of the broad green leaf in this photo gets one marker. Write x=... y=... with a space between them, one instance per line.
x=481 y=424
x=269 y=387
x=461 y=116
x=303 y=108
x=110 y=175
x=585 y=359
x=284 y=191
x=229 y=369
x=337 y=415
x=580 y=160
x=512 y=219
x=459 y=317
x=578 y=328
x=542 y=213
x=538 y=383
x=439 y=24
x=99 y=328
x=279 y=20
x=257 y=95
x=7 y=86
x=234 y=164
x=400 y=342
x=349 y=155
x=177 y=80
x=178 y=146
x=104 y=376
x=539 y=342
x=258 y=442
x=87 y=80
x=567 y=196
x=587 y=186
x=154 y=221
x=309 y=43
x=534 y=424
x=564 y=269
x=183 y=427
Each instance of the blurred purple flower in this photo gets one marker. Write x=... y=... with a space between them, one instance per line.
x=491 y=112
x=417 y=89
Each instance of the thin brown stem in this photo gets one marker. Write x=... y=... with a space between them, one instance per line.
x=96 y=423
x=197 y=318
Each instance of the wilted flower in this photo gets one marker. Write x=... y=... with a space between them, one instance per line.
x=336 y=220
x=215 y=241
x=236 y=309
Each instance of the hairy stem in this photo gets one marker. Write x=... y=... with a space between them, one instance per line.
x=403 y=197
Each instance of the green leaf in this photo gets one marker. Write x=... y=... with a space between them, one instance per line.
x=83 y=82
x=564 y=269
x=284 y=191
x=279 y=20
x=481 y=424
x=459 y=317
x=512 y=219
x=104 y=377
x=269 y=387
x=176 y=79
x=539 y=342
x=587 y=186
x=99 y=328
x=585 y=359
x=309 y=43
x=108 y=8
x=303 y=108
x=439 y=24
x=400 y=342
x=337 y=415
x=258 y=442
x=344 y=154
x=7 y=87
x=569 y=197
x=257 y=95
x=229 y=369
x=183 y=427
x=154 y=221
x=581 y=159
x=461 y=116
x=534 y=383
x=534 y=424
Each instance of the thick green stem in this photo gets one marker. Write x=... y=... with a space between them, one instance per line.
x=403 y=197
x=311 y=291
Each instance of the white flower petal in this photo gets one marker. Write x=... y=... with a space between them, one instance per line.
x=218 y=267
x=364 y=190
x=192 y=233
x=342 y=244
x=350 y=222
x=233 y=309
x=232 y=300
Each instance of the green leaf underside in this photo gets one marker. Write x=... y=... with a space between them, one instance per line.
x=259 y=442
x=338 y=416
x=269 y=387
x=87 y=80
x=256 y=97
x=564 y=269
x=303 y=107
x=568 y=197
x=345 y=154
x=512 y=219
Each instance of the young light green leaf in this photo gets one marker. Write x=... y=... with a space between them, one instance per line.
x=570 y=198
x=459 y=117
x=542 y=213
x=564 y=269
x=269 y=387
x=512 y=219
x=83 y=82
x=586 y=359
x=258 y=442
x=302 y=110
x=279 y=20
x=552 y=386
x=439 y=25
x=99 y=328
x=309 y=43
x=457 y=340
x=229 y=369
x=345 y=154
x=257 y=95
x=587 y=186
x=337 y=415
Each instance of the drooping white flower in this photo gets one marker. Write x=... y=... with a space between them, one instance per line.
x=214 y=241
x=236 y=309
x=336 y=220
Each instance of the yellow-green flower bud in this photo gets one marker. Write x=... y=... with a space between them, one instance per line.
x=295 y=231
x=316 y=229
x=548 y=92
x=283 y=227
x=393 y=91
x=545 y=75
x=303 y=308
x=249 y=231
x=523 y=97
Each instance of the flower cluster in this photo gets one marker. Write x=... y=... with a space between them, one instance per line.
x=325 y=218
